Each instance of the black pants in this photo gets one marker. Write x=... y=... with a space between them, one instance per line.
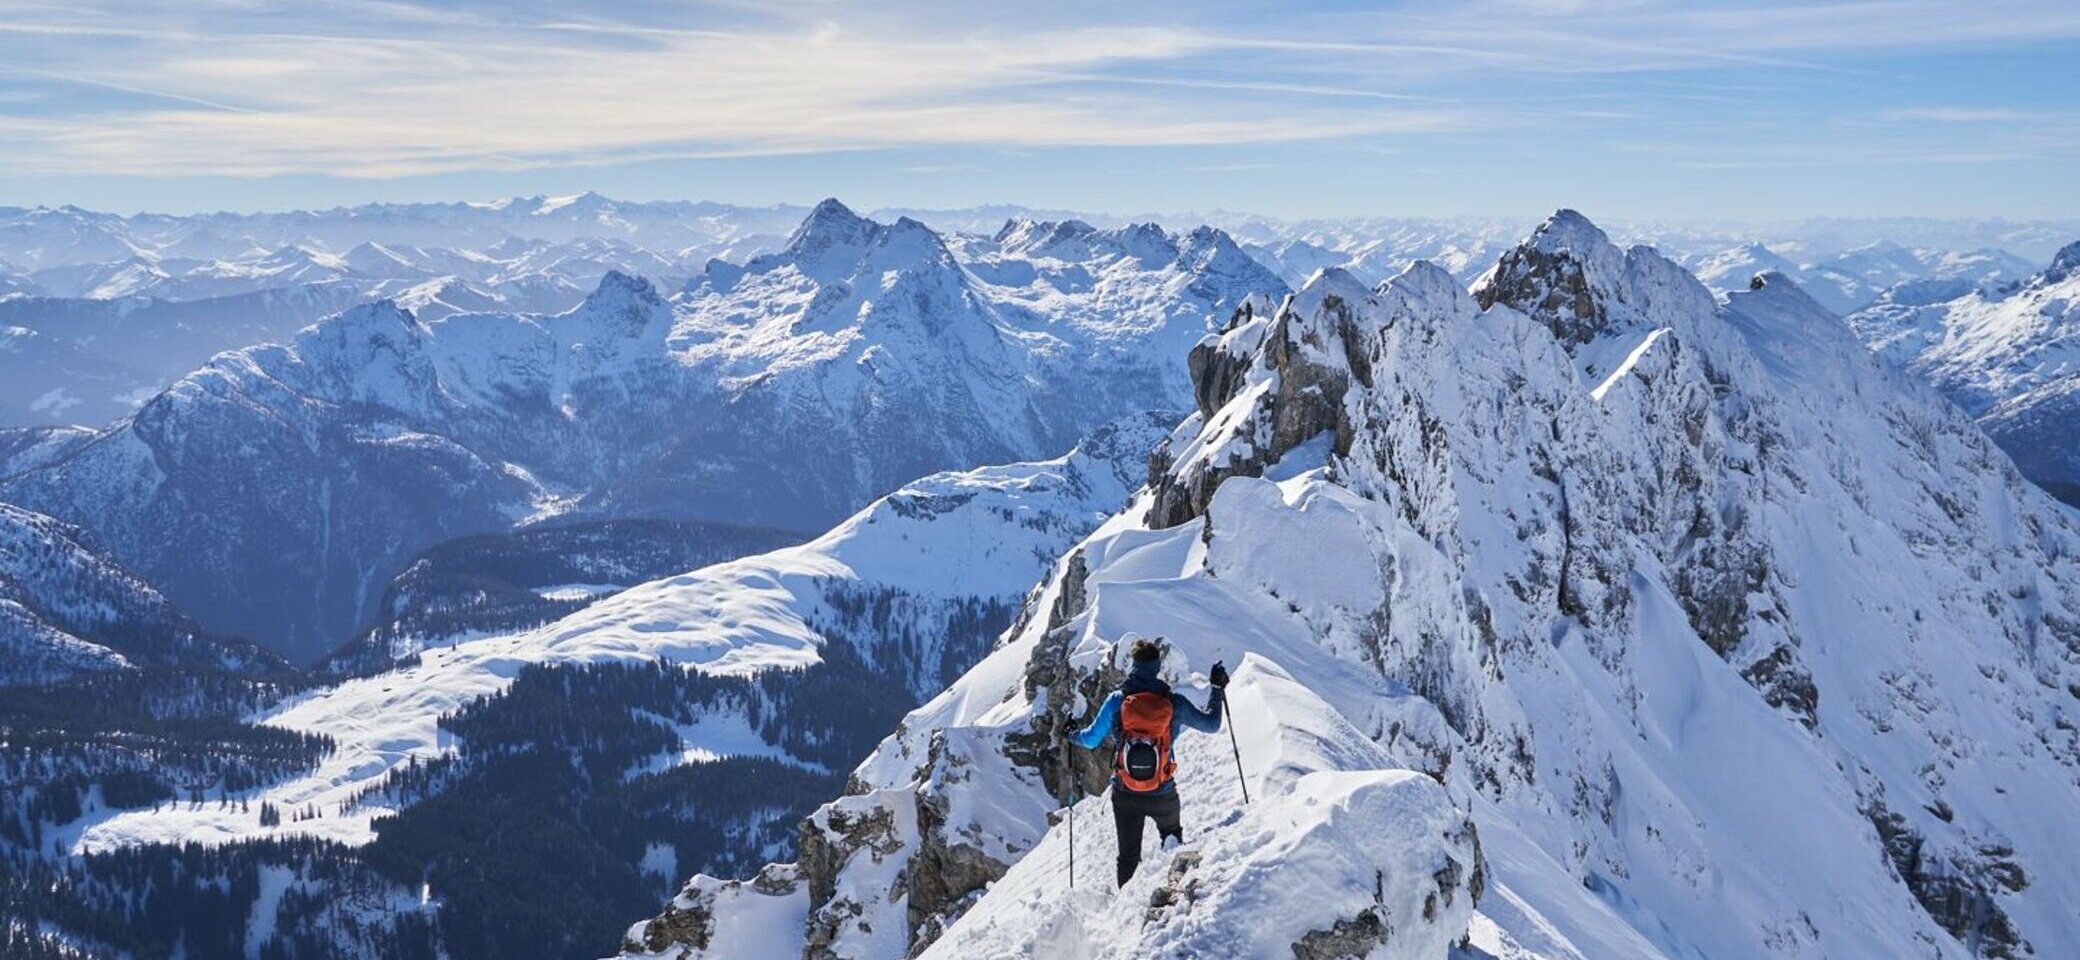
x=1128 y=810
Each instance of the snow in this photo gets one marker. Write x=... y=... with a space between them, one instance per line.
x=275 y=880
x=661 y=860
x=714 y=736
x=577 y=591
x=1631 y=360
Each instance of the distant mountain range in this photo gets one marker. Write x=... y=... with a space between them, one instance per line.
x=100 y=312
x=277 y=489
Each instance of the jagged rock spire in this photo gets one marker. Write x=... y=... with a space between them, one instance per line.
x=1556 y=275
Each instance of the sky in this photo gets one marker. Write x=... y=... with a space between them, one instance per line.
x=1626 y=108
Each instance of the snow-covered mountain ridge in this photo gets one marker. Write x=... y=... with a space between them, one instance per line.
x=786 y=393
x=1729 y=639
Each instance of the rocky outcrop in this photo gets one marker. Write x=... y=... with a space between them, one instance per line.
x=2063 y=265
x=1220 y=364
x=1265 y=388
x=1352 y=939
x=1552 y=279
x=862 y=825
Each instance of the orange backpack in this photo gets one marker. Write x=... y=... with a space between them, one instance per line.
x=1144 y=763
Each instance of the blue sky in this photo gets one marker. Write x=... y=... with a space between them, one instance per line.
x=1629 y=108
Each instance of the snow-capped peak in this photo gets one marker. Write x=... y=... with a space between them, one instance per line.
x=363 y=321
x=588 y=202
x=1326 y=283
x=377 y=260
x=905 y=243
x=831 y=226
x=1567 y=231
x=1426 y=282
x=1031 y=236
x=1566 y=275
x=623 y=304
x=618 y=289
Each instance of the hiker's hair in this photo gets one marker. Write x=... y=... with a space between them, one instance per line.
x=1147 y=650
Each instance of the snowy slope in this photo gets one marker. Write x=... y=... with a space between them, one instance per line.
x=67 y=609
x=1764 y=651
x=929 y=556
x=787 y=392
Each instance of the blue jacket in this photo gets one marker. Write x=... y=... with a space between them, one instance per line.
x=1182 y=713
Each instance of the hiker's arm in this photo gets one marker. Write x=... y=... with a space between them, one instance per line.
x=1204 y=721
x=1089 y=737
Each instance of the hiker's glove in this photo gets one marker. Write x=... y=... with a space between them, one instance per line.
x=1218 y=677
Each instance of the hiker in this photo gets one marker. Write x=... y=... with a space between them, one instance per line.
x=1146 y=715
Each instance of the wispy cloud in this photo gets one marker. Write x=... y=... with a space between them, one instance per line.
x=1954 y=115
x=386 y=88
x=1234 y=167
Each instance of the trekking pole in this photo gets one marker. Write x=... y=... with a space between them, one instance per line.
x=1236 y=745
x=1072 y=835
x=1069 y=771
x=1238 y=759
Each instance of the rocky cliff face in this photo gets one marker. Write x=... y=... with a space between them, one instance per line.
x=1727 y=640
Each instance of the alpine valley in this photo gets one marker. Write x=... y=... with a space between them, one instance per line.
x=568 y=578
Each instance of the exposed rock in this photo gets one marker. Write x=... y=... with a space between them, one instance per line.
x=687 y=921
x=1217 y=368
x=1786 y=685
x=1310 y=358
x=941 y=877
x=1352 y=939
x=1957 y=889
x=1178 y=890
x=1548 y=279
x=829 y=839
